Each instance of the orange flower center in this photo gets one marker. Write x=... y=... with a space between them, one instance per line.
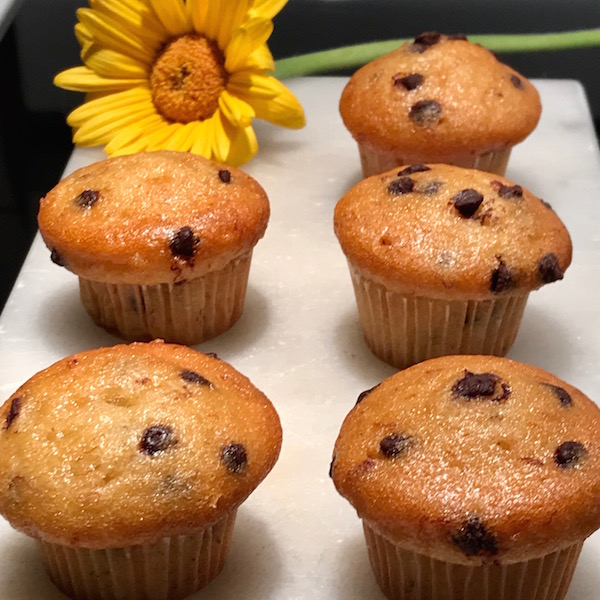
x=187 y=79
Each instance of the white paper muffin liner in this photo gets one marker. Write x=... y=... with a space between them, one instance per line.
x=404 y=329
x=169 y=569
x=405 y=575
x=378 y=161
x=187 y=312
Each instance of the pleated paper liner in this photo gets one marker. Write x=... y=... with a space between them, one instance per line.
x=405 y=575
x=169 y=569
x=378 y=161
x=404 y=329
x=187 y=312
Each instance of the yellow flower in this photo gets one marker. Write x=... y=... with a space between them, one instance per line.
x=184 y=75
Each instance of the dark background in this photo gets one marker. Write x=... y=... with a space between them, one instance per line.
x=35 y=141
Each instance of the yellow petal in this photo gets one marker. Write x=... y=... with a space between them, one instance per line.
x=197 y=10
x=243 y=146
x=282 y=108
x=84 y=37
x=233 y=18
x=135 y=97
x=249 y=83
x=108 y=63
x=203 y=139
x=134 y=138
x=101 y=128
x=260 y=59
x=244 y=41
x=235 y=110
x=184 y=138
x=157 y=139
x=267 y=8
x=172 y=15
x=216 y=14
x=221 y=140
x=135 y=16
x=82 y=79
x=110 y=33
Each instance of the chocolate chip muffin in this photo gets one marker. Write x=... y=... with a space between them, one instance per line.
x=127 y=466
x=475 y=476
x=161 y=242
x=443 y=259
x=438 y=99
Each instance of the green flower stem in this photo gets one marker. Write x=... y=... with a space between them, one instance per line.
x=355 y=56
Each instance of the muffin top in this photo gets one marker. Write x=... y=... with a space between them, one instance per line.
x=152 y=217
x=439 y=97
x=472 y=460
x=125 y=445
x=447 y=231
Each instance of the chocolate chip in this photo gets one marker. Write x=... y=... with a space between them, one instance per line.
x=569 y=454
x=563 y=396
x=402 y=185
x=212 y=354
x=467 y=202
x=13 y=412
x=413 y=169
x=234 y=457
x=225 y=175
x=481 y=386
x=184 y=243
x=331 y=465
x=156 y=438
x=548 y=268
x=425 y=113
x=87 y=198
x=509 y=192
x=57 y=258
x=516 y=81
x=474 y=539
x=409 y=82
x=431 y=187
x=395 y=444
x=425 y=40
x=364 y=394
x=193 y=377
x=501 y=279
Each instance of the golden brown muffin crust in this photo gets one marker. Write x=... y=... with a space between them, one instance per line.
x=412 y=229
x=439 y=100
x=152 y=217
x=473 y=459
x=125 y=445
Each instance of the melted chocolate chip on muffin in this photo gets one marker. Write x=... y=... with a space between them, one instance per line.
x=57 y=258
x=225 y=175
x=425 y=40
x=234 y=457
x=155 y=439
x=402 y=185
x=425 y=113
x=395 y=444
x=13 y=412
x=517 y=82
x=570 y=454
x=501 y=279
x=193 y=377
x=549 y=269
x=87 y=198
x=467 y=202
x=475 y=539
x=183 y=243
x=416 y=168
x=563 y=396
x=364 y=394
x=508 y=192
x=409 y=82
x=478 y=386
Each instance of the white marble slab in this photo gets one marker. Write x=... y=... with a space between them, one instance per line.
x=300 y=342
